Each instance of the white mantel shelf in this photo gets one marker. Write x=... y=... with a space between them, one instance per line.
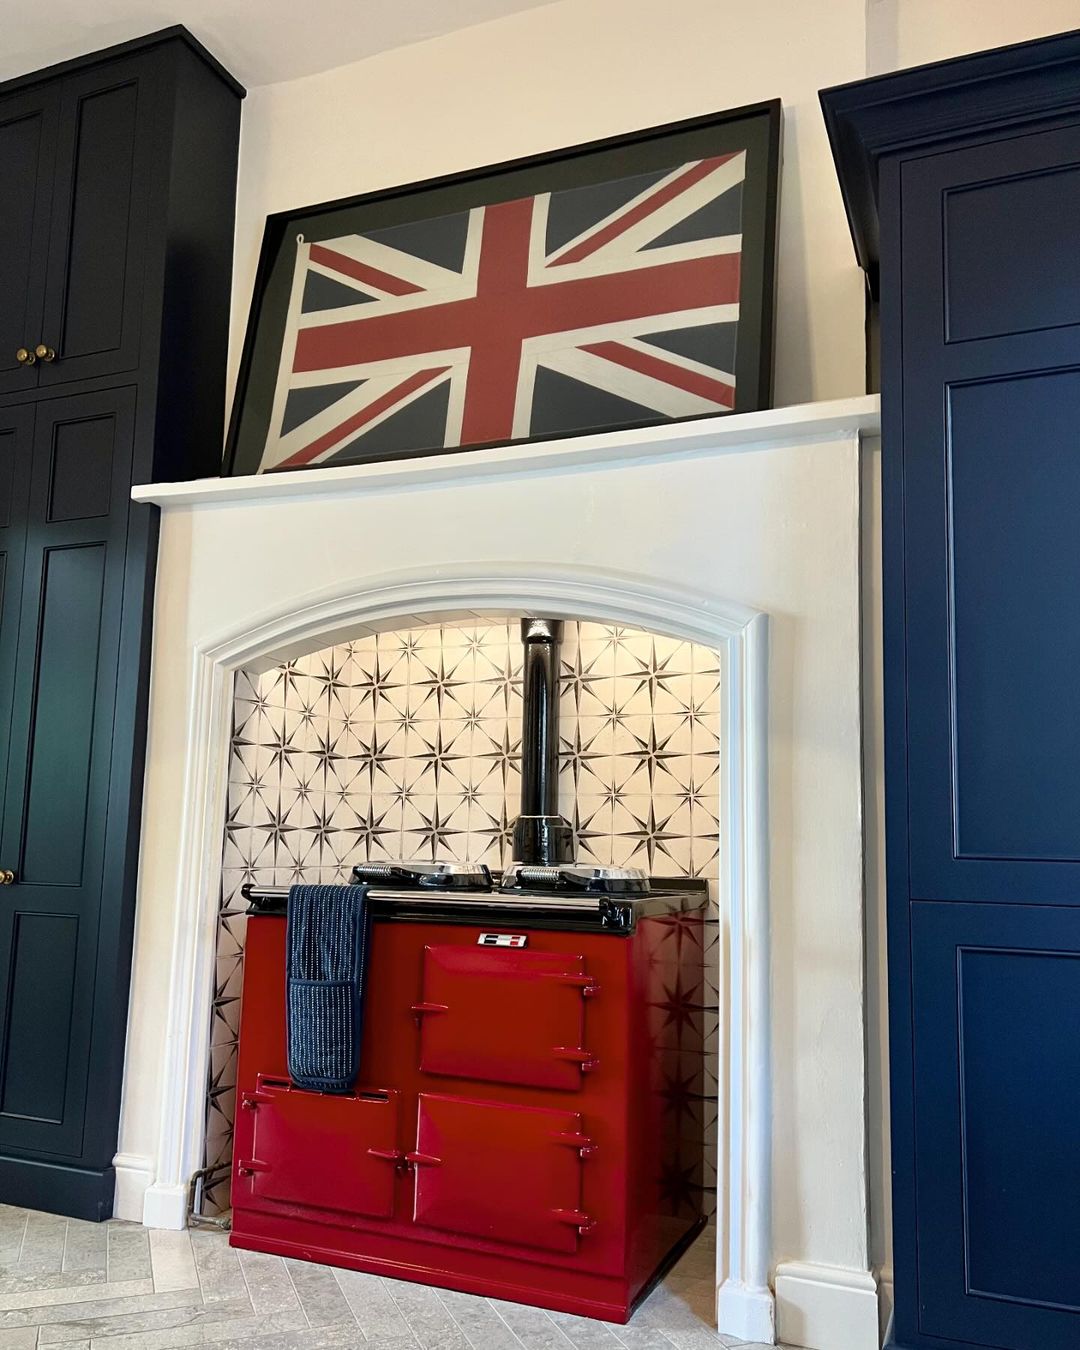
x=805 y=422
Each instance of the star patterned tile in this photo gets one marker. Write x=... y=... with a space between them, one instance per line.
x=408 y=745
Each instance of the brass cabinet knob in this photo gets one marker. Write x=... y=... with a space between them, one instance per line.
x=44 y=353
x=25 y=356
x=7 y=877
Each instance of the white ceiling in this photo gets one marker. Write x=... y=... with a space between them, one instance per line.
x=260 y=41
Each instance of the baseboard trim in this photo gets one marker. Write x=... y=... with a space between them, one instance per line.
x=745 y=1312
x=78 y=1192
x=822 y=1307
x=134 y=1175
x=886 y=1302
x=165 y=1206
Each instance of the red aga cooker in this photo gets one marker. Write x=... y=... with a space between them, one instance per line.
x=510 y=1131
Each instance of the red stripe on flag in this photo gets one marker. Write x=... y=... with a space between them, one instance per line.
x=716 y=391
x=365 y=415
x=508 y=316
x=660 y=197
x=362 y=272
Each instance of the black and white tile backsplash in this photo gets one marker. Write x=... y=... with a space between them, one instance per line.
x=408 y=745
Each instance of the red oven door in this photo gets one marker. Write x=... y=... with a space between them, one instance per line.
x=505 y=1016
x=498 y=1172
x=322 y=1151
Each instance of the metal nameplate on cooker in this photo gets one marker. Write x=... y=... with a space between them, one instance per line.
x=502 y=940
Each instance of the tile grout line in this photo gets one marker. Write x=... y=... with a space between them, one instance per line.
x=543 y=1312
x=387 y=1286
x=348 y=1302
x=243 y=1276
x=296 y=1291
x=63 y=1249
x=492 y=1308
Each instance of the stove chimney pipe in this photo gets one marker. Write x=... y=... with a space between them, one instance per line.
x=541 y=836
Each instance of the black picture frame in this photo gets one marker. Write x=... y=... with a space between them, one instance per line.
x=754 y=128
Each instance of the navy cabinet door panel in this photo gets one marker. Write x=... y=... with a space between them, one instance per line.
x=997 y=1071
x=991 y=352
x=55 y=814
x=27 y=147
x=93 y=295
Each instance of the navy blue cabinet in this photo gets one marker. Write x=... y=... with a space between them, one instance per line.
x=119 y=176
x=962 y=183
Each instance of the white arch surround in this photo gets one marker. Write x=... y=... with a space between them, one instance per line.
x=401 y=599
x=756 y=546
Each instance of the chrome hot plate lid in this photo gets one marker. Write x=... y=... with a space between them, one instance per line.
x=565 y=880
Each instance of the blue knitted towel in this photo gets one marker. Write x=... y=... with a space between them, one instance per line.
x=326 y=948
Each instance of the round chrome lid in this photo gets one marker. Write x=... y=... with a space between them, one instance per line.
x=443 y=876
x=582 y=878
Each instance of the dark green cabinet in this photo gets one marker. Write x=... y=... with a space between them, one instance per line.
x=27 y=151
x=117 y=248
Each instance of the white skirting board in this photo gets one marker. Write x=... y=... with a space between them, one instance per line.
x=165 y=1206
x=134 y=1173
x=826 y=1307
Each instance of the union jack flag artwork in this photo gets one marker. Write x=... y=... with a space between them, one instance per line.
x=611 y=304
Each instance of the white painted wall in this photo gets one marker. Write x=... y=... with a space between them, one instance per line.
x=902 y=33
x=773 y=526
x=570 y=72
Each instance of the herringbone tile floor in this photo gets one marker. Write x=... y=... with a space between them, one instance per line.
x=117 y=1286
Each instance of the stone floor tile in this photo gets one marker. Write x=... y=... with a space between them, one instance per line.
x=172 y=1262
x=373 y=1307
x=85 y=1247
x=220 y=1277
x=128 y=1251
x=187 y=1324
x=427 y=1317
x=12 y=1227
x=478 y=1322
x=268 y=1284
x=320 y=1294
x=584 y=1333
x=212 y=1325
x=66 y=1295
x=19 y=1338
x=532 y=1326
x=76 y=1321
x=42 y=1250
x=641 y=1337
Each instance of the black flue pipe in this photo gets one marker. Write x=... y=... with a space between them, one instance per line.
x=541 y=836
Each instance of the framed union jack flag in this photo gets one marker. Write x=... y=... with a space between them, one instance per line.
x=614 y=285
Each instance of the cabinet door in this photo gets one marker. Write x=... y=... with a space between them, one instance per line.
x=991 y=388
x=94 y=291
x=538 y=1037
x=52 y=834
x=500 y=1172
x=997 y=1073
x=27 y=148
x=16 y=434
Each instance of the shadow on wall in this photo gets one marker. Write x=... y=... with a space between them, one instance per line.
x=407 y=745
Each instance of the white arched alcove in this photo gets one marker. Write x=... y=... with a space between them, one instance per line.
x=686 y=531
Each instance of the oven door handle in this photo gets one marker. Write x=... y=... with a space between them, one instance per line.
x=576 y=1218
x=585 y=1146
x=576 y=1054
